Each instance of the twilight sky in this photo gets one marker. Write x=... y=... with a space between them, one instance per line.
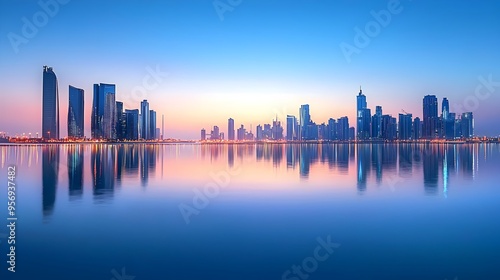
x=251 y=59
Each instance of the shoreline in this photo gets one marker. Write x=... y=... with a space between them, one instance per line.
x=316 y=142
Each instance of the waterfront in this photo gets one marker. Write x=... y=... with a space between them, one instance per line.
x=189 y=211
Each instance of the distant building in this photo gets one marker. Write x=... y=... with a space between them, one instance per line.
x=132 y=124
x=352 y=133
x=389 y=128
x=103 y=123
x=203 y=134
x=377 y=123
x=430 y=120
x=259 y=133
x=363 y=115
x=467 y=122
x=417 y=128
x=241 y=133
x=121 y=122
x=291 y=128
x=145 y=120
x=304 y=120
x=50 y=104
x=230 y=129
x=152 y=125
x=76 y=111
x=215 y=133
x=404 y=127
x=343 y=129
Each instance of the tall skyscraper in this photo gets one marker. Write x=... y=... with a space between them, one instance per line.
x=445 y=108
x=417 y=131
x=230 y=129
x=404 y=126
x=343 y=128
x=145 y=119
x=50 y=104
x=430 y=113
x=363 y=117
x=203 y=134
x=291 y=126
x=377 y=123
x=76 y=113
x=152 y=125
x=467 y=121
x=132 y=124
x=304 y=121
x=103 y=123
x=121 y=124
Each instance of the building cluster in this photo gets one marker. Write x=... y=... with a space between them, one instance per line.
x=299 y=129
x=109 y=119
x=378 y=126
x=447 y=126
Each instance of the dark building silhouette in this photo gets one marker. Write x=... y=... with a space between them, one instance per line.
x=430 y=117
x=76 y=111
x=50 y=104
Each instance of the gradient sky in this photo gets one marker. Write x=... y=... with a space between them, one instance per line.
x=265 y=58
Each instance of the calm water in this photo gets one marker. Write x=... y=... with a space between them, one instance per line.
x=254 y=211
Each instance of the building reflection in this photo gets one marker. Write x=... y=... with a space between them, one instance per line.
x=75 y=171
x=103 y=171
x=363 y=165
x=435 y=164
x=50 y=172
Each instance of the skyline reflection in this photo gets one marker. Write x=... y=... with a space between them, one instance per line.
x=437 y=165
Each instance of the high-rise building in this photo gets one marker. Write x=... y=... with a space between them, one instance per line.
x=215 y=135
x=417 y=131
x=389 y=127
x=241 y=133
x=332 y=129
x=145 y=120
x=103 y=123
x=363 y=117
x=230 y=129
x=430 y=120
x=445 y=108
x=121 y=122
x=76 y=113
x=343 y=129
x=304 y=121
x=259 y=132
x=50 y=104
x=450 y=126
x=377 y=122
x=467 y=122
x=203 y=134
x=132 y=124
x=277 y=130
x=404 y=126
x=152 y=125
x=291 y=128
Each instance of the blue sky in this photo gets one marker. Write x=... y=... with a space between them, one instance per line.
x=260 y=59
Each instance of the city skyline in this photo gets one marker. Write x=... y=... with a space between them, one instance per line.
x=251 y=72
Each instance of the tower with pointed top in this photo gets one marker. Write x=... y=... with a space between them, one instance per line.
x=363 y=117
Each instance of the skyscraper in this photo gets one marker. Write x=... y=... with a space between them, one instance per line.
x=121 y=124
x=103 y=123
x=343 y=128
x=404 y=126
x=377 y=122
x=467 y=121
x=304 y=120
x=50 y=104
x=145 y=119
x=363 y=117
x=76 y=113
x=132 y=124
x=230 y=129
x=430 y=113
x=203 y=134
x=152 y=125
x=417 y=128
x=291 y=126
